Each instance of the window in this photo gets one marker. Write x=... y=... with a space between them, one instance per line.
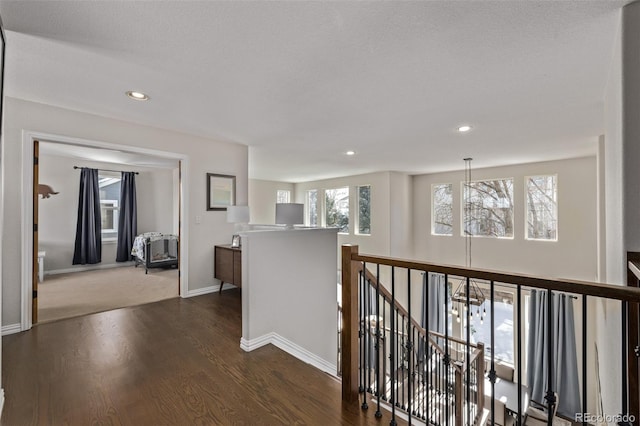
x=337 y=208
x=503 y=320
x=311 y=201
x=480 y=331
x=283 y=196
x=542 y=208
x=442 y=209
x=488 y=208
x=364 y=210
x=109 y=204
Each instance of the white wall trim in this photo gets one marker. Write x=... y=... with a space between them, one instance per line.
x=290 y=348
x=27 y=208
x=204 y=290
x=11 y=329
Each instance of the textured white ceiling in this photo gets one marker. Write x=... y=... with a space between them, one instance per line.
x=302 y=82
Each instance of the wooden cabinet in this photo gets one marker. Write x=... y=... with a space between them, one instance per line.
x=228 y=265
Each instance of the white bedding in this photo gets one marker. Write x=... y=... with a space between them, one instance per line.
x=157 y=248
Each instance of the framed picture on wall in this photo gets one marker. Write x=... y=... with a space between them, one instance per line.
x=221 y=191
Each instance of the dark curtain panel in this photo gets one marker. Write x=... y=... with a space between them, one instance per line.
x=128 y=217
x=433 y=292
x=88 y=247
x=565 y=361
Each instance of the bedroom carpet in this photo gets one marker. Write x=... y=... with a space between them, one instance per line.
x=80 y=293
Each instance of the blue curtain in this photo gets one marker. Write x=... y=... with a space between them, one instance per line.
x=88 y=245
x=434 y=307
x=565 y=360
x=128 y=217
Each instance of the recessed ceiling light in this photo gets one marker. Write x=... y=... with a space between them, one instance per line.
x=465 y=128
x=350 y=153
x=138 y=96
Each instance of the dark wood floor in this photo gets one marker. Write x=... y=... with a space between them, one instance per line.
x=174 y=362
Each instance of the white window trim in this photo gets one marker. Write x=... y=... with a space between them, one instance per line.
x=287 y=191
x=463 y=203
x=433 y=205
x=116 y=213
x=526 y=211
x=324 y=208
x=356 y=228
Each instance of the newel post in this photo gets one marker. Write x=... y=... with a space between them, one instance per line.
x=349 y=325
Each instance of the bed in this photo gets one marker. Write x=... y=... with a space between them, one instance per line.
x=155 y=250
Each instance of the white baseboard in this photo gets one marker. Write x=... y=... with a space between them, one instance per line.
x=88 y=268
x=290 y=348
x=207 y=290
x=11 y=329
x=201 y=291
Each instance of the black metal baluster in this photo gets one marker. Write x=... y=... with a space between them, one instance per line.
x=427 y=347
x=625 y=367
x=519 y=350
x=361 y=332
x=550 y=397
x=409 y=348
x=393 y=346
x=584 y=357
x=469 y=316
x=492 y=370
x=384 y=354
x=378 y=413
x=403 y=352
x=366 y=337
x=447 y=358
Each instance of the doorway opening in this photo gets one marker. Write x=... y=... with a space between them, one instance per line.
x=60 y=289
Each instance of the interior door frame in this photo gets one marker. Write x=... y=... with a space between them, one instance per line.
x=27 y=250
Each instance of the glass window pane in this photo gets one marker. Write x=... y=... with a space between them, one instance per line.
x=503 y=319
x=312 y=207
x=283 y=196
x=488 y=208
x=442 y=209
x=337 y=208
x=109 y=184
x=542 y=208
x=364 y=210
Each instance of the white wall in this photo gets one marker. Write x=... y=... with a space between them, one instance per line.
x=400 y=215
x=289 y=293
x=608 y=333
x=57 y=214
x=262 y=199
x=204 y=155
x=574 y=255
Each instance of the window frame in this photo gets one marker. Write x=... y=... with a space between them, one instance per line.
x=109 y=178
x=307 y=207
x=433 y=209
x=326 y=211
x=356 y=229
x=526 y=208
x=458 y=328
x=463 y=205
x=283 y=191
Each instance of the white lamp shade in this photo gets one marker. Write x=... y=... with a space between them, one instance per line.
x=289 y=214
x=238 y=214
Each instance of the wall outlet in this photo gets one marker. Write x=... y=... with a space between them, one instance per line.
x=198 y=220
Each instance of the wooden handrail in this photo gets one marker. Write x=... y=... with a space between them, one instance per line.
x=588 y=288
